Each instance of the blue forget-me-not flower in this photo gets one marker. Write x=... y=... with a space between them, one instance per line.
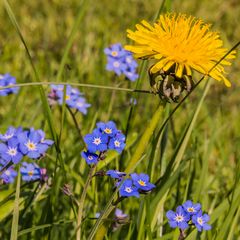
x=121 y=61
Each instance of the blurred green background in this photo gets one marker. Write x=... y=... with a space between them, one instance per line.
x=46 y=26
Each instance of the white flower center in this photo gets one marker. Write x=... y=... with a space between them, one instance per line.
x=80 y=104
x=7 y=172
x=31 y=146
x=90 y=157
x=8 y=136
x=128 y=60
x=128 y=189
x=12 y=151
x=117 y=143
x=179 y=218
x=97 y=140
x=74 y=91
x=116 y=64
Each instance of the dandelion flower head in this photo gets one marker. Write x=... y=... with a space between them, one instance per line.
x=180 y=44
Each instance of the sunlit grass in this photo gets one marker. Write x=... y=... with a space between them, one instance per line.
x=194 y=156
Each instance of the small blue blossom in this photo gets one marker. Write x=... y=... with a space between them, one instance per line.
x=178 y=219
x=30 y=172
x=97 y=215
x=108 y=128
x=127 y=189
x=96 y=141
x=70 y=97
x=132 y=64
x=9 y=151
x=30 y=144
x=191 y=208
x=43 y=140
x=11 y=132
x=91 y=158
x=141 y=181
x=74 y=98
x=119 y=214
x=121 y=61
x=133 y=101
x=81 y=105
x=117 y=142
x=8 y=175
x=116 y=65
x=106 y=136
x=200 y=221
x=115 y=51
x=115 y=174
x=131 y=75
x=57 y=87
x=7 y=80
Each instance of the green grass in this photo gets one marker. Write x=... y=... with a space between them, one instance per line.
x=194 y=156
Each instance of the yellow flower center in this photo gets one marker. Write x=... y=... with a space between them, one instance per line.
x=30 y=173
x=191 y=209
x=142 y=183
x=30 y=145
x=108 y=130
x=114 y=53
x=67 y=97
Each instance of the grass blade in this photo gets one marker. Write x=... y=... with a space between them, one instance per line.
x=14 y=230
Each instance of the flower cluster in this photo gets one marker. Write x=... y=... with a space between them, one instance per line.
x=17 y=143
x=105 y=137
x=74 y=98
x=138 y=183
x=7 y=80
x=188 y=214
x=121 y=61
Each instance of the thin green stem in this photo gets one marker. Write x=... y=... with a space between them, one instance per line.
x=78 y=85
x=81 y=202
x=14 y=229
x=76 y=125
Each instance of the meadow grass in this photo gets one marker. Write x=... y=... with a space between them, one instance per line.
x=194 y=156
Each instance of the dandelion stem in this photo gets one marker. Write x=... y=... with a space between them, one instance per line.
x=81 y=202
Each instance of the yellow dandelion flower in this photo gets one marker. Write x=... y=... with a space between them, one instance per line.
x=182 y=43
